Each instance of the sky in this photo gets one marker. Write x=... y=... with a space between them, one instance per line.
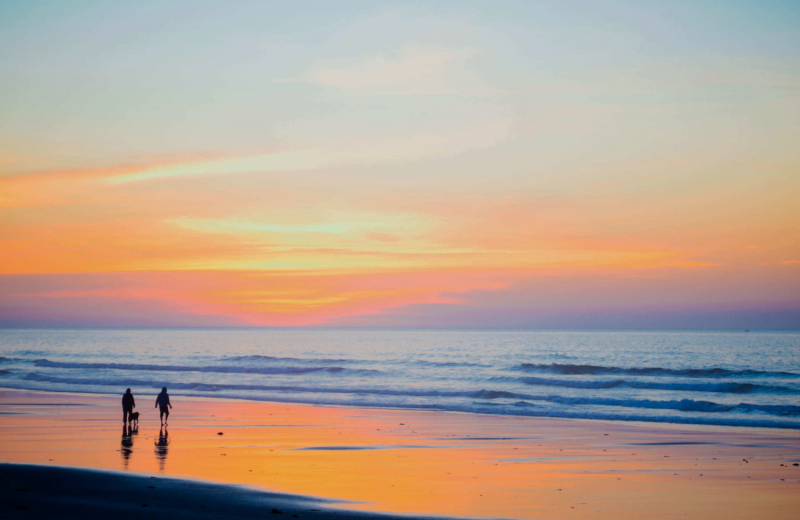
x=503 y=164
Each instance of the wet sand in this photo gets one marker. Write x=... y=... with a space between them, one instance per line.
x=404 y=462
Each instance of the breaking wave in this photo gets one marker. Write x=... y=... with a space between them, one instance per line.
x=728 y=388
x=269 y=370
x=686 y=405
x=562 y=369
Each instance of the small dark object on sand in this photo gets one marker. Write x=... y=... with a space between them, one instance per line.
x=795 y=464
x=747 y=461
x=276 y=512
x=219 y=433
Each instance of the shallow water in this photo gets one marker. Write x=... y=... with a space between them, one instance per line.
x=722 y=378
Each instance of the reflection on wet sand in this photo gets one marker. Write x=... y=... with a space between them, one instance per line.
x=127 y=443
x=161 y=448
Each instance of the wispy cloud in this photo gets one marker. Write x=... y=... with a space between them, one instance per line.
x=398 y=150
x=413 y=69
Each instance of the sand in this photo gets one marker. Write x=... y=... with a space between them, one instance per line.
x=404 y=462
x=30 y=491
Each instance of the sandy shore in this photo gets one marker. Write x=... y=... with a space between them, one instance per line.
x=402 y=462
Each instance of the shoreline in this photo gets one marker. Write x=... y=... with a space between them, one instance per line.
x=419 y=463
x=684 y=379
x=678 y=421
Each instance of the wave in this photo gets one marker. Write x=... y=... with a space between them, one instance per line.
x=4 y=359
x=728 y=388
x=684 y=405
x=427 y=363
x=45 y=363
x=529 y=410
x=565 y=369
x=257 y=358
x=518 y=408
x=216 y=387
x=496 y=394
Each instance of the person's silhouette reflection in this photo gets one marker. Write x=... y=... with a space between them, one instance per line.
x=161 y=447
x=127 y=444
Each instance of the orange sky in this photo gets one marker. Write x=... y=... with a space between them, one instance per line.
x=248 y=251
x=437 y=180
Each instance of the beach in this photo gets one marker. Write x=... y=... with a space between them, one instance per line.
x=348 y=460
x=51 y=492
x=524 y=260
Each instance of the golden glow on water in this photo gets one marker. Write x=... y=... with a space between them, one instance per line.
x=422 y=462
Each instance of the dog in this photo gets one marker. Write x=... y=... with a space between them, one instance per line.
x=134 y=418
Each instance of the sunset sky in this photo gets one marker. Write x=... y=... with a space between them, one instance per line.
x=494 y=164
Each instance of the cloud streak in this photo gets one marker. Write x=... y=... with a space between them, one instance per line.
x=413 y=69
x=403 y=149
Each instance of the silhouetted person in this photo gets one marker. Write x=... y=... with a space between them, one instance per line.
x=128 y=404
x=163 y=404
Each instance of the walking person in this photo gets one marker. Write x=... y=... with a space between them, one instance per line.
x=128 y=404
x=163 y=404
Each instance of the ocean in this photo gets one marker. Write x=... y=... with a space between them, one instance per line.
x=732 y=378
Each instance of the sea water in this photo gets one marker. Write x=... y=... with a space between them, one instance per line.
x=732 y=378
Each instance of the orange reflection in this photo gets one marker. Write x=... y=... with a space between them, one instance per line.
x=162 y=445
x=126 y=446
